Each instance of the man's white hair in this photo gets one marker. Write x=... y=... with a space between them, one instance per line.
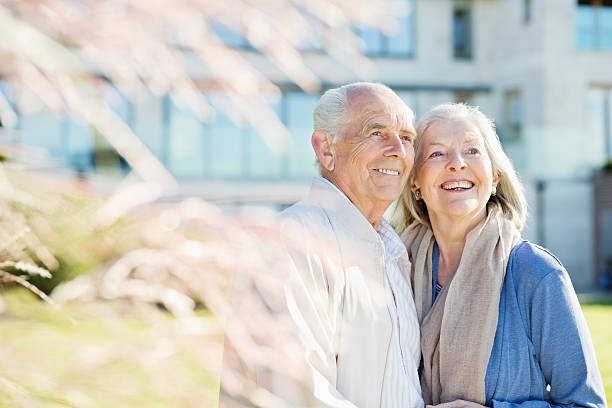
x=332 y=113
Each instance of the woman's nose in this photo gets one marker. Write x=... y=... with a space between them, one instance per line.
x=456 y=162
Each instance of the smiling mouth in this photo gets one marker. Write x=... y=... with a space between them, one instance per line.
x=389 y=172
x=457 y=185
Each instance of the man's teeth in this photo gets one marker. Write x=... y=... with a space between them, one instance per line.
x=457 y=185
x=387 y=171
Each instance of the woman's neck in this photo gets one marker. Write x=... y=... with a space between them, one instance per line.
x=451 y=235
x=450 y=256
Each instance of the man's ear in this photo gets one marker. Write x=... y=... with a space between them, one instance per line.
x=323 y=147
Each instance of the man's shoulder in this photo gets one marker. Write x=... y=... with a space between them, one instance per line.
x=306 y=214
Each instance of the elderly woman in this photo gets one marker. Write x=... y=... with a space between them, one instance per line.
x=500 y=323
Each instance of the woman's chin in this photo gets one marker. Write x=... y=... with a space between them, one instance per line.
x=463 y=211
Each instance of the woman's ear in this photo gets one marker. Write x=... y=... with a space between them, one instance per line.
x=323 y=147
x=496 y=178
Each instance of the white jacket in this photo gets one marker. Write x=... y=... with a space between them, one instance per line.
x=336 y=296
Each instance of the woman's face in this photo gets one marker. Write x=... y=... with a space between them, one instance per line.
x=454 y=172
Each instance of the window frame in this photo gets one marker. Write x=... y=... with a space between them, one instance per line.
x=467 y=51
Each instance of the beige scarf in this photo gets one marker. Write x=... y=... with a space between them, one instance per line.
x=457 y=332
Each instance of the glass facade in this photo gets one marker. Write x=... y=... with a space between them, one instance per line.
x=188 y=147
x=298 y=109
x=147 y=121
x=186 y=143
x=43 y=130
x=399 y=42
x=594 y=24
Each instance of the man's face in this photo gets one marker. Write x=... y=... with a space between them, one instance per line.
x=374 y=155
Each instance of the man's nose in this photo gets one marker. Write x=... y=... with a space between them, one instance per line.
x=395 y=147
x=456 y=162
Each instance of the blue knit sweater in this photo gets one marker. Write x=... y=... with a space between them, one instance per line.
x=542 y=354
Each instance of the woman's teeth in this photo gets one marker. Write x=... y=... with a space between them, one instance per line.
x=457 y=185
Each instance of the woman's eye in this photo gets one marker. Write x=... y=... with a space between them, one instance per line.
x=435 y=154
x=473 y=151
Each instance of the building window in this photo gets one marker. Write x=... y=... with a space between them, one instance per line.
x=599 y=120
x=398 y=43
x=462 y=30
x=594 y=24
x=526 y=11
x=513 y=116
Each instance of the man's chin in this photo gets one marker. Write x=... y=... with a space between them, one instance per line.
x=388 y=194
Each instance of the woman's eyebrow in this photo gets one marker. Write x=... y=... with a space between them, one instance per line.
x=471 y=140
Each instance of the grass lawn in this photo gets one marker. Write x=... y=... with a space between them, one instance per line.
x=98 y=357
x=599 y=319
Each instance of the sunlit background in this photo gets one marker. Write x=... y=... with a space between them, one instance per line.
x=158 y=125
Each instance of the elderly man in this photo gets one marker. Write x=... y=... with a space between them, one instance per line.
x=348 y=293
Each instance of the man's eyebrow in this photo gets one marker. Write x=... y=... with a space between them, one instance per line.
x=373 y=126
x=411 y=131
x=377 y=125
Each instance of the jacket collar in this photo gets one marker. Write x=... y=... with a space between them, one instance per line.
x=341 y=210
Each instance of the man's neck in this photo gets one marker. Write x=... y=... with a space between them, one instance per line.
x=373 y=215
x=373 y=212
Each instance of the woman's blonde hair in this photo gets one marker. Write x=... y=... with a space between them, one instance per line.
x=509 y=195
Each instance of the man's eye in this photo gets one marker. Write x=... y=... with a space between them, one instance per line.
x=473 y=151
x=407 y=138
x=376 y=133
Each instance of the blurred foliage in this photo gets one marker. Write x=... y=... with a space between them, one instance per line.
x=607 y=167
x=92 y=356
x=48 y=223
x=160 y=263
x=70 y=57
x=81 y=248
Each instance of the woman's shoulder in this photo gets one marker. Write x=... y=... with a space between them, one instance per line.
x=530 y=263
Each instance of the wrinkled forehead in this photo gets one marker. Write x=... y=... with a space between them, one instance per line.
x=379 y=108
x=451 y=129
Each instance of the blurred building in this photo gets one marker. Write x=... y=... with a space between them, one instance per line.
x=541 y=68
